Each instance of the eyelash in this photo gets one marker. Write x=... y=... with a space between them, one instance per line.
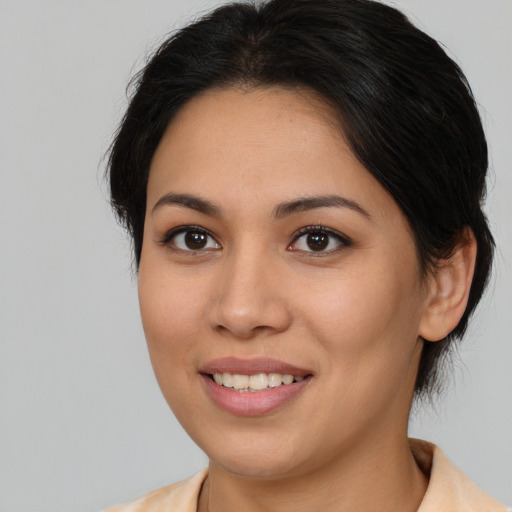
x=173 y=233
x=342 y=240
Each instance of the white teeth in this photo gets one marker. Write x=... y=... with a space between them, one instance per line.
x=256 y=382
x=287 y=379
x=227 y=380
x=274 y=380
x=259 y=381
x=240 y=381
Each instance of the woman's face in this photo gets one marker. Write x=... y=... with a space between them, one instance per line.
x=270 y=251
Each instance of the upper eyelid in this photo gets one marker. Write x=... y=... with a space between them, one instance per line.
x=343 y=242
x=168 y=235
x=322 y=229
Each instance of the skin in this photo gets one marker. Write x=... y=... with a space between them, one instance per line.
x=353 y=315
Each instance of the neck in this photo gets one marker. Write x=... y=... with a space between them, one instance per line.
x=384 y=478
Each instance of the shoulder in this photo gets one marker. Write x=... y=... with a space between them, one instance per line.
x=181 y=496
x=449 y=488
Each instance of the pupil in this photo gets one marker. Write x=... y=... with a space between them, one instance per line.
x=317 y=241
x=195 y=240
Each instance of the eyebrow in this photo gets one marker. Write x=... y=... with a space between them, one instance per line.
x=281 y=210
x=310 y=203
x=189 y=201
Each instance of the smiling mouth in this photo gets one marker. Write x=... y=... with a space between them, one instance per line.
x=254 y=383
x=253 y=386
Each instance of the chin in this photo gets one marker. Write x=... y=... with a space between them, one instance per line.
x=257 y=458
x=260 y=467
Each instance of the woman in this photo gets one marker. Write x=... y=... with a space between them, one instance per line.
x=303 y=184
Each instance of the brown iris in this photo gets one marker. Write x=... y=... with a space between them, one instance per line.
x=196 y=240
x=317 y=241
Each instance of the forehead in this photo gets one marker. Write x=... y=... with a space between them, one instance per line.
x=273 y=143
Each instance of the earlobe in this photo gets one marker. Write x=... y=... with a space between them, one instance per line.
x=449 y=287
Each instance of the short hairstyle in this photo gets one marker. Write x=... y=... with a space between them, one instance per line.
x=404 y=106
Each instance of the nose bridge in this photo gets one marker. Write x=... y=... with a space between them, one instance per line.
x=249 y=298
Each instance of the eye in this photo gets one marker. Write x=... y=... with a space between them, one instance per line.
x=317 y=239
x=190 y=238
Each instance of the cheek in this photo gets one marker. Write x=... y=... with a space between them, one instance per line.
x=169 y=321
x=368 y=335
x=171 y=315
x=367 y=321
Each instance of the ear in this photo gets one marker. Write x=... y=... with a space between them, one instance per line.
x=448 y=290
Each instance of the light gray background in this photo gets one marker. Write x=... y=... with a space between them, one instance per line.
x=83 y=425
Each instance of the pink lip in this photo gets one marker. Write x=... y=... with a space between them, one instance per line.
x=259 y=402
x=252 y=367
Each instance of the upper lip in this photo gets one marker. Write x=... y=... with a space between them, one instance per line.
x=252 y=366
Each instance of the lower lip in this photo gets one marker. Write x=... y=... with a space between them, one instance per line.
x=246 y=403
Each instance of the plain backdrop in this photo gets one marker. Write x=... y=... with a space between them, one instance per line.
x=82 y=422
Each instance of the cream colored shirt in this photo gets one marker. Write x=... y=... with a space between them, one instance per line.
x=449 y=490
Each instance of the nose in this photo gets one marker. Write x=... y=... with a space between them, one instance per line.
x=250 y=299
